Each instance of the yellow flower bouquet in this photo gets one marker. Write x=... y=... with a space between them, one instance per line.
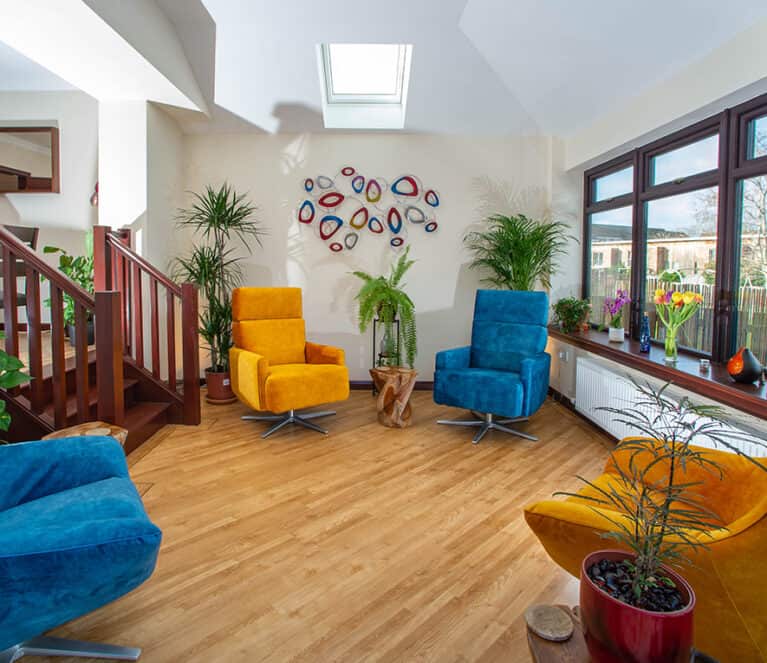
x=674 y=309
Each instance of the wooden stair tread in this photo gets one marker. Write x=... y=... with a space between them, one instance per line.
x=128 y=383
x=143 y=412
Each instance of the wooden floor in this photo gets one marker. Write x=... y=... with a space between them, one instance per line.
x=370 y=544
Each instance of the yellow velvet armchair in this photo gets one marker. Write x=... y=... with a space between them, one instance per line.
x=729 y=577
x=273 y=368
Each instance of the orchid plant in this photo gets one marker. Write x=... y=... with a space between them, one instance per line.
x=614 y=308
x=674 y=308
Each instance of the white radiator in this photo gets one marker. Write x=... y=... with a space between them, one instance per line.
x=598 y=385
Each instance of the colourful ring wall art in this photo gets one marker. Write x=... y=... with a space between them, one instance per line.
x=367 y=206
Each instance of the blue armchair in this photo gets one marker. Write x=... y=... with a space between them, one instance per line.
x=505 y=371
x=73 y=536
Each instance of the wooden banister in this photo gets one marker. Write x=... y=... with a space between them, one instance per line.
x=109 y=367
x=132 y=275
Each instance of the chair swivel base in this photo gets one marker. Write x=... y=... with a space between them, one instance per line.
x=289 y=417
x=45 y=646
x=486 y=422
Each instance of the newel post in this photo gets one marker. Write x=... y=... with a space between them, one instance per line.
x=102 y=259
x=109 y=358
x=191 y=353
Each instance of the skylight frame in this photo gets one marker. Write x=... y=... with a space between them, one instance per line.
x=404 y=56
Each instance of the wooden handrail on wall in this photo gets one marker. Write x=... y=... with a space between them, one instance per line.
x=119 y=268
x=19 y=260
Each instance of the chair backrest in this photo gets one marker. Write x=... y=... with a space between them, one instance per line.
x=268 y=321
x=26 y=234
x=509 y=325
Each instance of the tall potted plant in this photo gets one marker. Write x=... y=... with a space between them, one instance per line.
x=657 y=515
x=80 y=270
x=383 y=298
x=517 y=252
x=217 y=216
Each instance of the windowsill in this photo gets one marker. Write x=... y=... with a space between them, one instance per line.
x=717 y=384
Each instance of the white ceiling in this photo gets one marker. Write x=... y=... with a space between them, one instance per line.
x=487 y=66
x=19 y=73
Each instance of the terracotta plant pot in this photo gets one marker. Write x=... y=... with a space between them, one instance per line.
x=219 y=388
x=616 y=632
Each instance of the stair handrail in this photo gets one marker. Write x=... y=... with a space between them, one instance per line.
x=32 y=258
x=118 y=245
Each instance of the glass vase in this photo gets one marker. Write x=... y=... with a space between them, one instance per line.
x=671 y=351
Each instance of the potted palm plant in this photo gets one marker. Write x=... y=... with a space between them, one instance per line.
x=80 y=270
x=658 y=517
x=517 y=252
x=384 y=299
x=217 y=216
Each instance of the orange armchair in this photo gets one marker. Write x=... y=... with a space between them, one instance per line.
x=273 y=368
x=729 y=577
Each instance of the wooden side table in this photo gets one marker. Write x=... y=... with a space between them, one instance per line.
x=570 y=651
x=394 y=385
x=91 y=428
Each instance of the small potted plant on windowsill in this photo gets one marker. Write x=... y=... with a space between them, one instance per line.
x=614 y=312
x=658 y=517
x=572 y=314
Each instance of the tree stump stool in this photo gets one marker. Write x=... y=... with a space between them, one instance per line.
x=394 y=385
x=91 y=428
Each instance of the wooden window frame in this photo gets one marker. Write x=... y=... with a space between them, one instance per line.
x=732 y=127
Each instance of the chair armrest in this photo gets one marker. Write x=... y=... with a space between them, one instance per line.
x=455 y=358
x=534 y=372
x=324 y=354
x=249 y=371
x=31 y=470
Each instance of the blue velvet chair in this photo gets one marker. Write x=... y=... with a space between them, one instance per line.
x=73 y=536
x=505 y=371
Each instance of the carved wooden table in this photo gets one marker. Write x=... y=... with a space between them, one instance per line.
x=91 y=428
x=394 y=385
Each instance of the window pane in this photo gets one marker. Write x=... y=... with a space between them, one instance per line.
x=364 y=68
x=757 y=138
x=695 y=158
x=610 y=258
x=752 y=295
x=681 y=255
x=614 y=184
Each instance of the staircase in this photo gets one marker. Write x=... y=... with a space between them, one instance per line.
x=129 y=377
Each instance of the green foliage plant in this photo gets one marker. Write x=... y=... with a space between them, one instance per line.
x=11 y=375
x=383 y=297
x=665 y=514
x=79 y=269
x=571 y=313
x=517 y=252
x=217 y=216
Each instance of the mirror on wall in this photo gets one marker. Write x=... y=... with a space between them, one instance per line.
x=29 y=160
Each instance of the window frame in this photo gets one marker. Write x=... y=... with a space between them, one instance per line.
x=734 y=167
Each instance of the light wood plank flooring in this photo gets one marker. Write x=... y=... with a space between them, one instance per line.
x=370 y=544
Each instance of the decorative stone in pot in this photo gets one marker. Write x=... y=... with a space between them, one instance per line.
x=617 y=632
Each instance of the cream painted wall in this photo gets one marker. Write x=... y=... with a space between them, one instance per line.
x=732 y=73
x=76 y=115
x=473 y=174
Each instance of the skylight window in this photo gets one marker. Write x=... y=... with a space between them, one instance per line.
x=364 y=86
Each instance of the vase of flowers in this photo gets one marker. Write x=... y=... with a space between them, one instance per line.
x=674 y=308
x=614 y=312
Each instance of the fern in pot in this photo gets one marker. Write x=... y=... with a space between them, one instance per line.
x=383 y=299
x=217 y=216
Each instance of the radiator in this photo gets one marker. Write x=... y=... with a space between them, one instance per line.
x=598 y=385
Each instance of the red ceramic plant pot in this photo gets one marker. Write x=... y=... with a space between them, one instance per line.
x=616 y=632
x=219 y=388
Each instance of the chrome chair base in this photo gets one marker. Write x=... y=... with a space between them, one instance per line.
x=486 y=423
x=45 y=646
x=290 y=417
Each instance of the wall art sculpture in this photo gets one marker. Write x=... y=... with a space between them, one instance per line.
x=345 y=208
